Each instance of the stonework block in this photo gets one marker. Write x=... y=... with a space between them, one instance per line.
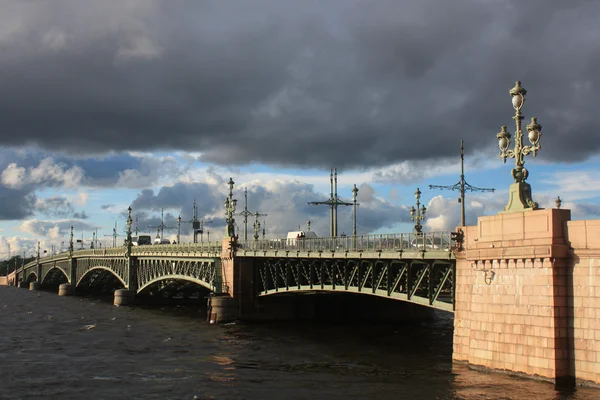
x=542 y=294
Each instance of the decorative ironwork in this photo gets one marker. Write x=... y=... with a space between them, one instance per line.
x=520 y=191
x=418 y=214
x=333 y=202
x=117 y=266
x=229 y=205
x=426 y=282
x=462 y=186
x=201 y=271
x=390 y=243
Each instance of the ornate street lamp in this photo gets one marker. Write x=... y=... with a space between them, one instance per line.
x=418 y=214
x=354 y=196
x=129 y=242
x=179 y=230
x=520 y=191
x=230 y=204
x=256 y=226
x=70 y=244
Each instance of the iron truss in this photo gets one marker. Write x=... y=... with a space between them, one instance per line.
x=427 y=282
x=63 y=265
x=118 y=266
x=201 y=271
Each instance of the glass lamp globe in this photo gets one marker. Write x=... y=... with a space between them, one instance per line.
x=534 y=136
x=503 y=143
x=517 y=101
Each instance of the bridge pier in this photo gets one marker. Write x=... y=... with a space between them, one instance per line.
x=222 y=309
x=515 y=295
x=123 y=297
x=34 y=286
x=23 y=284
x=66 y=289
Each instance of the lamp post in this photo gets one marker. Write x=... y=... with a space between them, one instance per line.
x=128 y=239
x=418 y=214
x=70 y=244
x=354 y=195
x=520 y=191
x=178 y=229
x=256 y=226
x=230 y=204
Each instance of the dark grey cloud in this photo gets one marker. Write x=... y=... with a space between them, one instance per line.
x=347 y=83
x=106 y=206
x=16 y=204
x=180 y=196
x=177 y=200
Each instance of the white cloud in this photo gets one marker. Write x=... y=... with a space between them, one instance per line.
x=55 y=229
x=13 y=176
x=574 y=185
x=46 y=173
x=81 y=198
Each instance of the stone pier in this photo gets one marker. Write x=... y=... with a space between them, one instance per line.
x=526 y=296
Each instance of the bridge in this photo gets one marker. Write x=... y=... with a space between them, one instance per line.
x=522 y=286
x=410 y=267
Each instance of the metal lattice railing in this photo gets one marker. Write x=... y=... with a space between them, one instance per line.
x=205 y=247
x=440 y=241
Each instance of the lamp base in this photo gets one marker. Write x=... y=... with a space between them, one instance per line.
x=519 y=198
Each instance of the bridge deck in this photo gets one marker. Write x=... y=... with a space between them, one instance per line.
x=430 y=245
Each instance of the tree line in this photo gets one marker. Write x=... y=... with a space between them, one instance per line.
x=11 y=263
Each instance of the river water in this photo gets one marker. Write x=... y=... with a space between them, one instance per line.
x=82 y=348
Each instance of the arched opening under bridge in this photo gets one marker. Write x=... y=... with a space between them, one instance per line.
x=341 y=307
x=175 y=290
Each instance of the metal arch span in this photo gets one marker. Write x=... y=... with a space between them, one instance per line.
x=47 y=271
x=202 y=271
x=426 y=282
x=62 y=265
x=176 y=277
x=30 y=274
x=90 y=270
x=117 y=266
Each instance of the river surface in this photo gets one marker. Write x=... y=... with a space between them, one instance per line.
x=82 y=348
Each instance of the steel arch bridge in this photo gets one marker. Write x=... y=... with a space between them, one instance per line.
x=405 y=267
x=426 y=282
x=146 y=266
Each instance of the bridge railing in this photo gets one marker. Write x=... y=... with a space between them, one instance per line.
x=204 y=247
x=426 y=241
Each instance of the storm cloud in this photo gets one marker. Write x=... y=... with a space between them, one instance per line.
x=350 y=83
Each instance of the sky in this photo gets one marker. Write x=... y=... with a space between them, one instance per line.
x=154 y=104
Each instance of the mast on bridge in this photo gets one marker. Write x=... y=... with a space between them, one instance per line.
x=462 y=186
x=245 y=213
x=333 y=202
x=161 y=227
x=197 y=225
x=114 y=236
